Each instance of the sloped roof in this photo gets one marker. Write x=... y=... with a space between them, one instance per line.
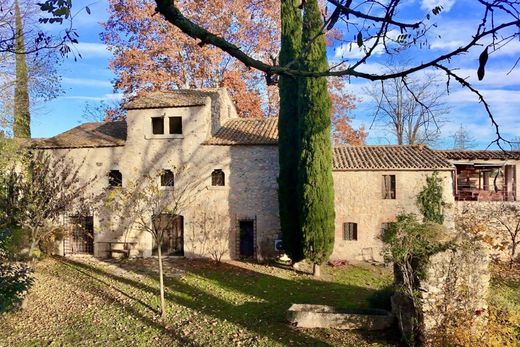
x=479 y=155
x=174 y=98
x=86 y=135
x=263 y=131
x=247 y=131
x=404 y=157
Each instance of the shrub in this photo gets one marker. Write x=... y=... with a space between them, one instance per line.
x=15 y=277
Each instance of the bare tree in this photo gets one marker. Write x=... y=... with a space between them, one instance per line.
x=57 y=12
x=508 y=217
x=379 y=27
x=143 y=203
x=412 y=107
x=103 y=111
x=43 y=189
x=462 y=139
x=210 y=231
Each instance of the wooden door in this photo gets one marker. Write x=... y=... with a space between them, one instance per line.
x=247 y=238
x=173 y=237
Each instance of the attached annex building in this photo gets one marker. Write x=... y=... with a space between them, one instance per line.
x=234 y=162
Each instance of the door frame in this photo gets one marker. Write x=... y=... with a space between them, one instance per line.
x=69 y=245
x=237 y=241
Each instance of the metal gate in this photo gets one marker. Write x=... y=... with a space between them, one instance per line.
x=80 y=239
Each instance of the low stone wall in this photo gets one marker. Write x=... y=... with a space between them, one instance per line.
x=454 y=300
x=322 y=316
x=452 y=308
x=478 y=219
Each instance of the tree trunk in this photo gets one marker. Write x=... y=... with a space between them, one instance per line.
x=21 y=115
x=513 y=253
x=161 y=281
x=316 y=270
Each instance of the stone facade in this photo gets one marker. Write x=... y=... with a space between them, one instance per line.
x=247 y=154
x=359 y=199
x=249 y=193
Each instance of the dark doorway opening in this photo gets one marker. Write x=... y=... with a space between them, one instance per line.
x=173 y=229
x=246 y=230
x=81 y=235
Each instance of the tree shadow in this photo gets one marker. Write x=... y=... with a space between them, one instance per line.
x=253 y=300
x=108 y=297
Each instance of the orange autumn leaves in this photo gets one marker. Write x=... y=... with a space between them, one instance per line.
x=151 y=54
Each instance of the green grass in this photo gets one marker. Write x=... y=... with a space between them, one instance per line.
x=88 y=303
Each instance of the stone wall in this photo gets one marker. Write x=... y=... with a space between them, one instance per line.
x=455 y=295
x=452 y=306
x=250 y=190
x=358 y=199
x=479 y=220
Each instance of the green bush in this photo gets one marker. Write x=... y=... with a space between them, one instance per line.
x=15 y=277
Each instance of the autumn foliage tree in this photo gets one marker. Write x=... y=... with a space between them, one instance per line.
x=150 y=54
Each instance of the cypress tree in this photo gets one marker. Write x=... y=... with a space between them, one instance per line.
x=316 y=190
x=22 y=117
x=288 y=131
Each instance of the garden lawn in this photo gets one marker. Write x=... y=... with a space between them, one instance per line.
x=87 y=302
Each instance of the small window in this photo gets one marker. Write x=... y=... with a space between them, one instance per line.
x=157 y=125
x=115 y=178
x=350 y=231
x=388 y=186
x=175 y=125
x=167 y=179
x=217 y=178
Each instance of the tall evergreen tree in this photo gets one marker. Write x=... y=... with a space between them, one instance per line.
x=316 y=189
x=22 y=117
x=291 y=32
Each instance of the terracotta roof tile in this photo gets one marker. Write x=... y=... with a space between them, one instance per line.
x=247 y=131
x=174 y=98
x=264 y=131
x=479 y=155
x=110 y=134
x=388 y=158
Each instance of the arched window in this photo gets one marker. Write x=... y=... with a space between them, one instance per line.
x=217 y=178
x=167 y=179
x=115 y=178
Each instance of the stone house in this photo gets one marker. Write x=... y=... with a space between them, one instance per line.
x=234 y=163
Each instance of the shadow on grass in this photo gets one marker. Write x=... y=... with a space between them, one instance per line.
x=109 y=298
x=253 y=300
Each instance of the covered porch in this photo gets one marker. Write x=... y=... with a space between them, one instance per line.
x=487 y=181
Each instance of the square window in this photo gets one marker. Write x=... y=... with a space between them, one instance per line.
x=389 y=191
x=115 y=178
x=350 y=231
x=167 y=179
x=157 y=125
x=175 y=125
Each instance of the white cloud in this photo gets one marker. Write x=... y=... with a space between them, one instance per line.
x=104 y=97
x=492 y=96
x=428 y=5
x=93 y=50
x=86 y=82
x=352 y=51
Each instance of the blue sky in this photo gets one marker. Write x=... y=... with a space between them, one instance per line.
x=89 y=79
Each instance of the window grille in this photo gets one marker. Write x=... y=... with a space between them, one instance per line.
x=350 y=231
